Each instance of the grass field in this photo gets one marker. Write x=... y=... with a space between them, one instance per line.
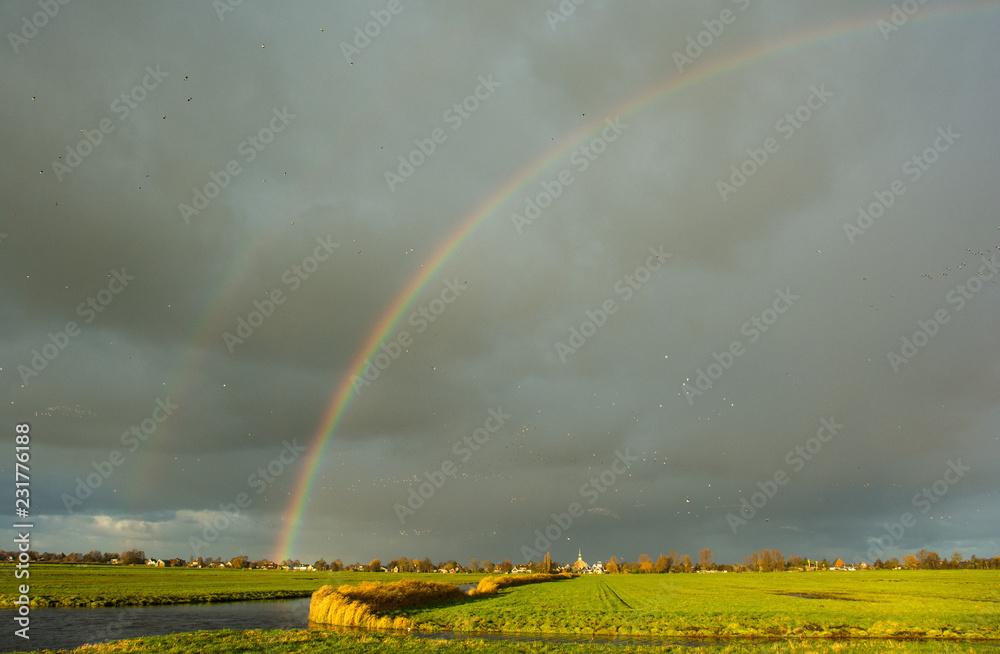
x=846 y=612
x=906 y=604
x=101 y=585
x=316 y=642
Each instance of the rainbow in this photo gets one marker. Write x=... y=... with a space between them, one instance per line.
x=515 y=185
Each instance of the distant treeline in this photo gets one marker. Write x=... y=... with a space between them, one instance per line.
x=764 y=560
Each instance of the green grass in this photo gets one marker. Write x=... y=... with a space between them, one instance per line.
x=316 y=642
x=912 y=604
x=102 y=585
x=944 y=610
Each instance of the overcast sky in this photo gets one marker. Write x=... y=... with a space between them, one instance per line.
x=682 y=171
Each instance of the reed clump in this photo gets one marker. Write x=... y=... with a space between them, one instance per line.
x=493 y=585
x=369 y=604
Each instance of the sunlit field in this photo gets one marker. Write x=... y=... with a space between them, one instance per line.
x=904 y=604
x=920 y=611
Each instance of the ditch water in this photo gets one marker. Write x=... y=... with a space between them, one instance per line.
x=62 y=628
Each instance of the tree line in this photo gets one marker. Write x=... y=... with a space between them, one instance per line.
x=763 y=560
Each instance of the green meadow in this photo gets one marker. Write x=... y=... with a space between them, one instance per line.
x=954 y=611
x=932 y=604
x=106 y=585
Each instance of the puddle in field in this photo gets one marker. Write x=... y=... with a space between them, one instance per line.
x=824 y=596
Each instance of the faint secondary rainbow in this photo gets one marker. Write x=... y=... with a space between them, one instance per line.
x=200 y=346
x=390 y=318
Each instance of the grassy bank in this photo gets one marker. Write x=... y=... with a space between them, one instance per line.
x=316 y=642
x=493 y=585
x=99 y=585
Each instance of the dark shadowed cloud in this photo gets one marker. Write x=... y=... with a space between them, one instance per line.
x=708 y=231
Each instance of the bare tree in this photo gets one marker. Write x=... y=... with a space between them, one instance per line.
x=928 y=560
x=675 y=561
x=133 y=557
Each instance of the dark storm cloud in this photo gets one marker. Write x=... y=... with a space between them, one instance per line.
x=210 y=94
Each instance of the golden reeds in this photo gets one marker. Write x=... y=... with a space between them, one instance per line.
x=368 y=604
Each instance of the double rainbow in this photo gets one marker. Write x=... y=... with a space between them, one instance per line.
x=515 y=185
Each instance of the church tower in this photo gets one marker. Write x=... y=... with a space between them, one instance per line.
x=580 y=565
